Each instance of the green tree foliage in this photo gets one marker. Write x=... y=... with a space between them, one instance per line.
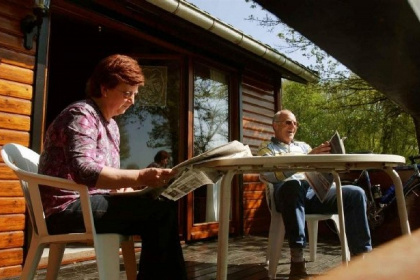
x=370 y=122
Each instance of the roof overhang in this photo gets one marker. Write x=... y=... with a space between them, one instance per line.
x=378 y=40
x=208 y=23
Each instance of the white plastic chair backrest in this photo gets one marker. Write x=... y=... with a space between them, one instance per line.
x=24 y=162
x=18 y=157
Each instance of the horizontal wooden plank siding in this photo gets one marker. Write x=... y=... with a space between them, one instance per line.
x=19 y=137
x=16 y=92
x=256 y=217
x=14 y=121
x=12 y=57
x=6 y=173
x=15 y=105
x=12 y=205
x=18 y=74
x=10 y=188
x=258 y=106
x=12 y=222
x=10 y=271
x=14 y=89
x=11 y=257
x=11 y=239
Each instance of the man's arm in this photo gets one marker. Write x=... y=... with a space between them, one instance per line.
x=324 y=148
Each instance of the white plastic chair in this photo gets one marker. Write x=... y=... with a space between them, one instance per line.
x=277 y=232
x=24 y=162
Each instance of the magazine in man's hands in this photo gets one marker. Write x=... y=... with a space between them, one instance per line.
x=321 y=182
x=337 y=144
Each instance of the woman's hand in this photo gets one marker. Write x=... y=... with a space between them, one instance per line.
x=113 y=178
x=324 y=148
x=155 y=177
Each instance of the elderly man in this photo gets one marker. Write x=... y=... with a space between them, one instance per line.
x=294 y=197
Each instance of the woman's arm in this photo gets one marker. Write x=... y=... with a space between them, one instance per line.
x=114 y=178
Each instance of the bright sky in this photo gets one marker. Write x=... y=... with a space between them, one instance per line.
x=235 y=12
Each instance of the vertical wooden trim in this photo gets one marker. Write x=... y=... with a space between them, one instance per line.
x=190 y=108
x=40 y=87
x=190 y=143
x=236 y=106
x=183 y=126
x=236 y=113
x=278 y=95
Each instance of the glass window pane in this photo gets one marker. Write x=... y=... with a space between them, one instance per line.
x=211 y=129
x=152 y=123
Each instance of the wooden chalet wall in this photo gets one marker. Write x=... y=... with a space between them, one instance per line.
x=258 y=107
x=16 y=81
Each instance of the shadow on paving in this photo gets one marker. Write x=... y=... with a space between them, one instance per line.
x=246 y=257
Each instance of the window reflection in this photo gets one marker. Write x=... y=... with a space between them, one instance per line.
x=152 y=124
x=211 y=129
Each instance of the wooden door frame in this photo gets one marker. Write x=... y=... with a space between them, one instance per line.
x=210 y=230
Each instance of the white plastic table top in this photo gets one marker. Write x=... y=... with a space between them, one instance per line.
x=320 y=162
x=304 y=162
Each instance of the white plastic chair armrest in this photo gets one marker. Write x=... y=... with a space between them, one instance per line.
x=35 y=180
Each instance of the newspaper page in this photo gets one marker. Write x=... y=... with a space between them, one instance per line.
x=190 y=179
x=322 y=182
x=231 y=149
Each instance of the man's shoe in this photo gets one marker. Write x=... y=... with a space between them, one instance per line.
x=298 y=271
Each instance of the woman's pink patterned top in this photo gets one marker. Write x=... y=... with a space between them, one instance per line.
x=78 y=144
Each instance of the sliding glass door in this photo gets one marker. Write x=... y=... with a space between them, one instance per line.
x=210 y=129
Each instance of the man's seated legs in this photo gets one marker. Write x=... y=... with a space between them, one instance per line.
x=293 y=200
x=355 y=209
x=290 y=201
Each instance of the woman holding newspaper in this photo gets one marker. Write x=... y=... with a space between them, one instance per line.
x=294 y=196
x=82 y=144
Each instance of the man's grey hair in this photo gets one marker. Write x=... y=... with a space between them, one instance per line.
x=277 y=115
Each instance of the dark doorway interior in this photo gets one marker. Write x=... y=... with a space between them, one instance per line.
x=75 y=48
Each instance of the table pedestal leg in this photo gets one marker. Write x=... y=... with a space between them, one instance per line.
x=223 y=242
x=343 y=238
x=399 y=195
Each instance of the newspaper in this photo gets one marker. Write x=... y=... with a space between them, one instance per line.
x=322 y=182
x=188 y=178
x=189 y=181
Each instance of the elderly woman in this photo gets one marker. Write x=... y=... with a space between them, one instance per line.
x=82 y=144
